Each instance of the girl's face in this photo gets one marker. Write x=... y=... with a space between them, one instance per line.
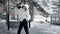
x=24 y=7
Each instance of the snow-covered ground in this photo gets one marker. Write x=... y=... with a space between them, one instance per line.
x=36 y=28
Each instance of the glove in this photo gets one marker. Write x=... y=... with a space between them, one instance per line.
x=19 y=7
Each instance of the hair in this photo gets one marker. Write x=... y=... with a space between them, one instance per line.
x=19 y=7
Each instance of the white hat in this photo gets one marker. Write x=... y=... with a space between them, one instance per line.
x=27 y=6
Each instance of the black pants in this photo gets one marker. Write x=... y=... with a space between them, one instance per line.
x=21 y=25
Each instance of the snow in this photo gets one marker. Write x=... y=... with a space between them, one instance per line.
x=2 y=20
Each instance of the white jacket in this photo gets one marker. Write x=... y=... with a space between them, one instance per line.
x=23 y=14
